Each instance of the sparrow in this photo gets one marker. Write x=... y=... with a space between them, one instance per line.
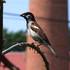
x=35 y=31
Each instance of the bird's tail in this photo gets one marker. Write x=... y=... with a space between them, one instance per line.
x=52 y=50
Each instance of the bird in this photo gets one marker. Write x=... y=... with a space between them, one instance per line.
x=35 y=31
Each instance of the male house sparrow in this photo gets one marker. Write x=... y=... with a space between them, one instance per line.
x=35 y=30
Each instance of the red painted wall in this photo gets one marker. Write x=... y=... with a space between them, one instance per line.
x=17 y=58
x=56 y=30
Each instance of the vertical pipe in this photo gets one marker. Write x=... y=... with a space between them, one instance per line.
x=1 y=26
x=52 y=17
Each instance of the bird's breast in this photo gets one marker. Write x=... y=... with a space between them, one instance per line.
x=31 y=32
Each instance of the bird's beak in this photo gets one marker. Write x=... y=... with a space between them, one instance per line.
x=22 y=15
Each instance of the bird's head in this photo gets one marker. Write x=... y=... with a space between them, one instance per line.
x=28 y=16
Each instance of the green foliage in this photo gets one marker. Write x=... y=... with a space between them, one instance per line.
x=11 y=38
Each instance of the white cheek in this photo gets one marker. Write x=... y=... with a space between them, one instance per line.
x=30 y=23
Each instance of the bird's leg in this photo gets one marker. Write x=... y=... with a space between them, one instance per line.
x=31 y=49
x=36 y=45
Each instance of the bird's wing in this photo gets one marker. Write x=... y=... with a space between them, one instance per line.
x=43 y=39
x=39 y=31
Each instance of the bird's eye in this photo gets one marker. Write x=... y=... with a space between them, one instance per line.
x=28 y=16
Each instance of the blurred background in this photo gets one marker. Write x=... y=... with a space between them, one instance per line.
x=14 y=26
x=14 y=29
